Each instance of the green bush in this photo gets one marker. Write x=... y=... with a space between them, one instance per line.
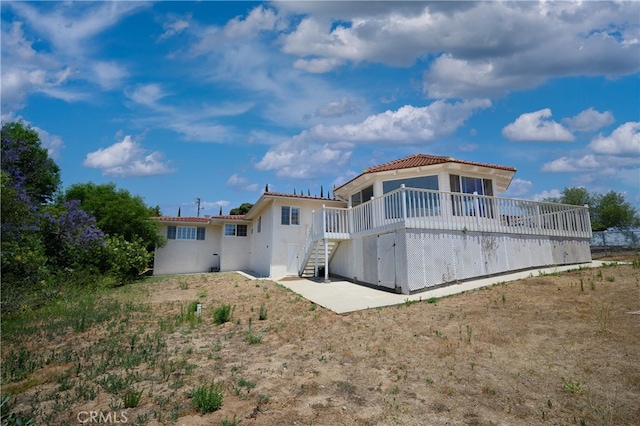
x=126 y=260
x=263 y=313
x=131 y=398
x=222 y=314
x=207 y=398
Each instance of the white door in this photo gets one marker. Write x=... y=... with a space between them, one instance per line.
x=292 y=259
x=387 y=260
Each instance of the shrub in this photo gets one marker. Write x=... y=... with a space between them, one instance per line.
x=262 y=315
x=222 y=314
x=127 y=260
x=207 y=398
x=131 y=398
x=252 y=338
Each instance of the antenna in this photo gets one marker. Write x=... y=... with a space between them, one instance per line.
x=198 y=201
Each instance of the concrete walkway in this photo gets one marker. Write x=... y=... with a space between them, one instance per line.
x=344 y=296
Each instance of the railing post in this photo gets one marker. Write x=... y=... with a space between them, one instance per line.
x=588 y=220
x=325 y=243
x=538 y=223
x=324 y=221
x=403 y=200
x=476 y=206
x=350 y=221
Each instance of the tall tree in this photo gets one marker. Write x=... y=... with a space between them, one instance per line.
x=117 y=212
x=243 y=209
x=25 y=160
x=614 y=211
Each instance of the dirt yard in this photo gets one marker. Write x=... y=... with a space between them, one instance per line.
x=555 y=349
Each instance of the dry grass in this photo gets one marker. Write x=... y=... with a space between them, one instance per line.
x=542 y=350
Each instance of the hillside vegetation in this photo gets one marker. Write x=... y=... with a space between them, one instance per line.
x=554 y=349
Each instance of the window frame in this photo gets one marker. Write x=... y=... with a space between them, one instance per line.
x=235 y=227
x=293 y=212
x=465 y=204
x=186 y=233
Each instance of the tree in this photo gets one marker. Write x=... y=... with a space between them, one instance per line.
x=613 y=211
x=243 y=209
x=117 y=212
x=24 y=159
x=576 y=196
x=71 y=236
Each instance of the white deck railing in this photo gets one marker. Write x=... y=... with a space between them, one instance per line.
x=427 y=209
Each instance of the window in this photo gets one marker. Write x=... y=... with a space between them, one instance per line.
x=185 y=233
x=362 y=196
x=290 y=215
x=466 y=205
x=259 y=224
x=423 y=182
x=234 y=230
x=418 y=203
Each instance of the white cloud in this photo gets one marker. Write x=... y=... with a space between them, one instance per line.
x=173 y=27
x=449 y=77
x=625 y=140
x=52 y=143
x=69 y=28
x=537 y=126
x=589 y=120
x=518 y=188
x=339 y=108
x=146 y=94
x=483 y=49
x=241 y=183
x=299 y=159
x=407 y=125
x=108 y=75
x=317 y=65
x=64 y=36
x=259 y=19
x=553 y=193
x=567 y=164
x=127 y=158
x=322 y=148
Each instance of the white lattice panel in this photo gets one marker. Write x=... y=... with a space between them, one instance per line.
x=494 y=253
x=467 y=253
x=426 y=258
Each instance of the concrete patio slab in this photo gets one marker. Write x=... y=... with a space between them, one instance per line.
x=343 y=296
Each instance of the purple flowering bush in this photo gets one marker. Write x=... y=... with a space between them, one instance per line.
x=50 y=242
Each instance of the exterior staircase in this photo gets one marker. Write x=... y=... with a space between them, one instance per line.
x=316 y=249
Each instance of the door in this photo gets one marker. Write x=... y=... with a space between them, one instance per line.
x=292 y=259
x=387 y=260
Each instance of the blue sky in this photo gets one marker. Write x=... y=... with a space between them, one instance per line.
x=175 y=101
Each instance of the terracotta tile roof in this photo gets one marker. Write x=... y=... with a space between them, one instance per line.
x=188 y=219
x=228 y=216
x=181 y=219
x=419 y=160
x=307 y=197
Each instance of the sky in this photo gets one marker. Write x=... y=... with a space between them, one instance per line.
x=214 y=100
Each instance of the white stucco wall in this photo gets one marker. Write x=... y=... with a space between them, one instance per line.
x=235 y=253
x=261 y=245
x=288 y=235
x=187 y=256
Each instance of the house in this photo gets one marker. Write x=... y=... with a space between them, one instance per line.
x=407 y=225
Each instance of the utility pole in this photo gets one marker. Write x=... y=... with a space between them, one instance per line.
x=198 y=201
